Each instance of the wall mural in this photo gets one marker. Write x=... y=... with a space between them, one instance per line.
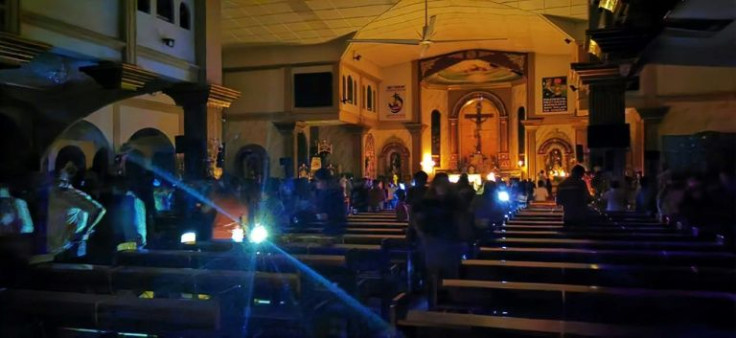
x=515 y=63
x=473 y=71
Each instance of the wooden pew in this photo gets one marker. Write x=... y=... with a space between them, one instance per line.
x=367 y=239
x=662 y=257
x=630 y=235
x=644 y=276
x=590 y=303
x=587 y=229
x=443 y=324
x=605 y=244
x=109 y=312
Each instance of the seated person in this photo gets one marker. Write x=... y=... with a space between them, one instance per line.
x=540 y=192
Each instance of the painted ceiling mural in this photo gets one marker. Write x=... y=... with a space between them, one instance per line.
x=472 y=71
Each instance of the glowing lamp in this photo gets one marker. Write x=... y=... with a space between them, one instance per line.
x=258 y=234
x=427 y=163
x=238 y=235
x=521 y=163
x=503 y=196
x=189 y=238
x=491 y=177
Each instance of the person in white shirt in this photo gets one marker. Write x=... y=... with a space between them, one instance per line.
x=72 y=215
x=540 y=192
x=615 y=197
x=14 y=215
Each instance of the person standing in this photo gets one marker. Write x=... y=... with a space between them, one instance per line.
x=72 y=216
x=572 y=194
x=329 y=203
x=615 y=197
x=540 y=192
x=15 y=218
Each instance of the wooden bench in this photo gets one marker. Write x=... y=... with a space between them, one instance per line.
x=587 y=229
x=644 y=276
x=590 y=303
x=630 y=235
x=444 y=324
x=663 y=257
x=367 y=239
x=604 y=244
x=109 y=312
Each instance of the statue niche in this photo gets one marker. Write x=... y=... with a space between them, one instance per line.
x=394 y=160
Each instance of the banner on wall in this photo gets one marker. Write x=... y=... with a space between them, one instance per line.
x=396 y=103
x=554 y=94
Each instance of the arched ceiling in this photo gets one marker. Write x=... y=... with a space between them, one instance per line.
x=269 y=22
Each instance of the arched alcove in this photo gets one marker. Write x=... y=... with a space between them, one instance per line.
x=394 y=159
x=75 y=155
x=503 y=132
x=154 y=148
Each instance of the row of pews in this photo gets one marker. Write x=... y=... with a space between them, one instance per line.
x=623 y=275
x=301 y=285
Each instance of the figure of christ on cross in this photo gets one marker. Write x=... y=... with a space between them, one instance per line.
x=478 y=118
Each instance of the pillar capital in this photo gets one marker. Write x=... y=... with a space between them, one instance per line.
x=355 y=129
x=213 y=95
x=285 y=128
x=653 y=114
x=124 y=76
x=16 y=51
x=414 y=127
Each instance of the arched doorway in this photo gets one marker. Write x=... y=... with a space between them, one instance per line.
x=76 y=156
x=154 y=148
x=494 y=142
x=252 y=163
x=394 y=159
x=81 y=142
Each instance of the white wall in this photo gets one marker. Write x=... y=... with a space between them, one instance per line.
x=682 y=80
x=100 y=16
x=282 y=55
x=262 y=91
x=151 y=30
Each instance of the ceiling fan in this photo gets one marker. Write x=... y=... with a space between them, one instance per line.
x=426 y=35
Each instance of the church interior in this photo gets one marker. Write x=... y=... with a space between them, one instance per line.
x=257 y=168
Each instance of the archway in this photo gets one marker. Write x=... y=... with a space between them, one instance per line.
x=503 y=132
x=252 y=163
x=72 y=154
x=90 y=141
x=155 y=149
x=394 y=159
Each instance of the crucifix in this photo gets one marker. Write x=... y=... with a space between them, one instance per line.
x=478 y=118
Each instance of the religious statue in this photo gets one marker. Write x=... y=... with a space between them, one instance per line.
x=478 y=118
x=395 y=162
x=303 y=171
x=553 y=161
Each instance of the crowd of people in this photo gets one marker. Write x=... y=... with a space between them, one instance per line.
x=445 y=216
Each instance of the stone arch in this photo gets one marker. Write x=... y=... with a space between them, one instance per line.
x=549 y=143
x=503 y=126
x=154 y=147
x=84 y=135
x=252 y=162
x=394 y=149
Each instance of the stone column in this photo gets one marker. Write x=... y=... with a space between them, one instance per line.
x=199 y=103
x=454 y=144
x=357 y=133
x=531 y=151
x=288 y=132
x=415 y=129
x=652 y=148
x=608 y=109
